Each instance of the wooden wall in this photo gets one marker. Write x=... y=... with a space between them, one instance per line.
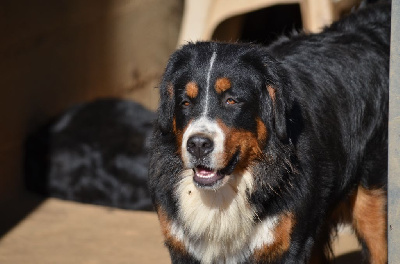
x=57 y=53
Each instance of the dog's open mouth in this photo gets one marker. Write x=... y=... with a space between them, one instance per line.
x=206 y=177
x=211 y=178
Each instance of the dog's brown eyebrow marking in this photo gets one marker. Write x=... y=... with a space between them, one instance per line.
x=192 y=90
x=222 y=84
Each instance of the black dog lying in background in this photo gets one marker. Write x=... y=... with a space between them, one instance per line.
x=93 y=153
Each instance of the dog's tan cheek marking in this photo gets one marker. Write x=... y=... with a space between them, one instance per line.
x=192 y=90
x=282 y=237
x=222 y=84
x=171 y=241
x=245 y=141
x=370 y=222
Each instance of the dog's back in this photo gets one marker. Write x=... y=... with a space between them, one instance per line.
x=340 y=80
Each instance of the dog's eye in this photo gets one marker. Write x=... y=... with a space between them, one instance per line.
x=230 y=101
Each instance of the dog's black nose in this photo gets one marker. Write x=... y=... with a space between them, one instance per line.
x=199 y=146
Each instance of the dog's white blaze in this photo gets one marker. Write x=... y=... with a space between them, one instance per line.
x=211 y=129
x=219 y=226
x=212 y=60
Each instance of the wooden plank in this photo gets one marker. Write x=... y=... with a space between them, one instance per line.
x=65 y=232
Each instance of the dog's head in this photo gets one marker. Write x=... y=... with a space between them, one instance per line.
x=223 y=104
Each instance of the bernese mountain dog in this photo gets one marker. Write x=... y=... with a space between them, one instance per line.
x=258 y=153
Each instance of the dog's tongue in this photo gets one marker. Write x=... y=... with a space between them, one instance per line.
x=206 y=177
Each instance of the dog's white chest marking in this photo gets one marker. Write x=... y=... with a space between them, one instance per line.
x=220 y=226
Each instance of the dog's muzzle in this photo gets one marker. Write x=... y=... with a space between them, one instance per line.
x=203 y=152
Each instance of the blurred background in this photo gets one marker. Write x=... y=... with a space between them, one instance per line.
x=56 y=54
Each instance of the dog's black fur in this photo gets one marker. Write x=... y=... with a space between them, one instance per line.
x=323 y=99
x=96 y=152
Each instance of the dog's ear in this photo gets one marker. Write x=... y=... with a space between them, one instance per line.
x=272 y=80
x=167 y=91
x=166 y=108
x=274 y=87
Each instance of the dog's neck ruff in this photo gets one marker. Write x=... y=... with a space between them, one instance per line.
x=220 y=226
